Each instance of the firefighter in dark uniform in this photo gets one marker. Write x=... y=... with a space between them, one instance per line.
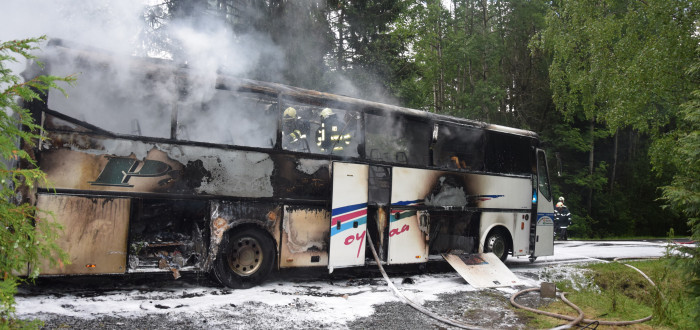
x=331 y=136
x=293 y=132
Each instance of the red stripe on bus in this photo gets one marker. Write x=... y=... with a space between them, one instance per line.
x=348 y=216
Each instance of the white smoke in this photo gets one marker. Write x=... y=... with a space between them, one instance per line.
x=118 y=92
x=112 y=25
x=119 y=27
x=119 y=98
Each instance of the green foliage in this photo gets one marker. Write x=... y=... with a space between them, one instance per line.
x=622 y=65
x=679 y=152
x=625 y=64
x=26 y=235
x=620 y=62
x=472 y=60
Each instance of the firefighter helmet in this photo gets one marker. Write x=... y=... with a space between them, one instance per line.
x=327 y=112
x=290 y=113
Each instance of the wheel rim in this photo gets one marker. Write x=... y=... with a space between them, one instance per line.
x=497 y=246
x=245 y=256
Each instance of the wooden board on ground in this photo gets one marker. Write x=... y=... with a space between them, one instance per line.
x=482 y=270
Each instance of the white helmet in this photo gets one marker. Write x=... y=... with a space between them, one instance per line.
x=561 y=199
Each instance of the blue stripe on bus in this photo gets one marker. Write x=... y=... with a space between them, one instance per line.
x=406 y=203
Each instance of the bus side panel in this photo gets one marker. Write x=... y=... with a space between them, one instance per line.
x=305 y=235
x=413 y=187
x=84 y=162
x=94 y=233
x=500 y=192
x=517 y=224
x=455 y=192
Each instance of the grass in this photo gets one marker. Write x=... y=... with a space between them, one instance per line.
x=615 y=292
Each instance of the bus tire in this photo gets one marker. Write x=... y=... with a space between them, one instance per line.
x=244 y=259
x=497 y=243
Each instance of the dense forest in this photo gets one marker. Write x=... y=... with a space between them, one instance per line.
x=610 y=86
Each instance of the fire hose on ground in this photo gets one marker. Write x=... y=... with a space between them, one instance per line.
x=577 y=320
x=573 y=320
x=411 y=303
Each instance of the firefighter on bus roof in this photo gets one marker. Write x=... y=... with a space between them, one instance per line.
x=331 y=134
x=293 y=131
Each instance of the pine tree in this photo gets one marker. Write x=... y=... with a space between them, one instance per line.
x=26 y=234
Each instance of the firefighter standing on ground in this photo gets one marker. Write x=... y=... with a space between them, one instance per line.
x=331 y=135
x=561 y=203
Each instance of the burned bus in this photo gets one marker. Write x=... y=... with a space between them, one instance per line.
x=159 y=168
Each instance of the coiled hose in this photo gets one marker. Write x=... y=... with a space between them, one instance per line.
x=573 y=320
x=579 y=319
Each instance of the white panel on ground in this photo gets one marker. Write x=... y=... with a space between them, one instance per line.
x=482 y=270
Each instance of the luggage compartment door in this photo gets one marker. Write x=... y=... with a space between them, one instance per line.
x=349 y=215
x=94 y=233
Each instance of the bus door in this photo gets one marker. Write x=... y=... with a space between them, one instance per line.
x=544 y=230
x=348 y=216
x=408 y=224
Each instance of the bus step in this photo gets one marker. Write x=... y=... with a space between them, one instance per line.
x=482 y=270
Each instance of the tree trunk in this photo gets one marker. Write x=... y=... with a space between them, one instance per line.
x=441 y=73
x=340 y=56
x=614 y=166
x=591 y=164
x=484 y=57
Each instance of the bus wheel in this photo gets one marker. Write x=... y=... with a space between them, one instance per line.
x=497 y=244
x=244 y=258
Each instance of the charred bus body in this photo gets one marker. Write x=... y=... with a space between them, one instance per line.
x=156 y=168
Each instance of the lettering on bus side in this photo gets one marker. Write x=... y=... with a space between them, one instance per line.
x=396 y=231
x=357 y=237
x=119 y=170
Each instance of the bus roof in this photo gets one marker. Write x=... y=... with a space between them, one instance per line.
x=163 y=66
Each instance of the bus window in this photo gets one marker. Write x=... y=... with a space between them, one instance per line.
x=397 y=140
x=100 y=98
x=506 y=153
x=244 y=119
x=459 y=148
x=320 y=130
